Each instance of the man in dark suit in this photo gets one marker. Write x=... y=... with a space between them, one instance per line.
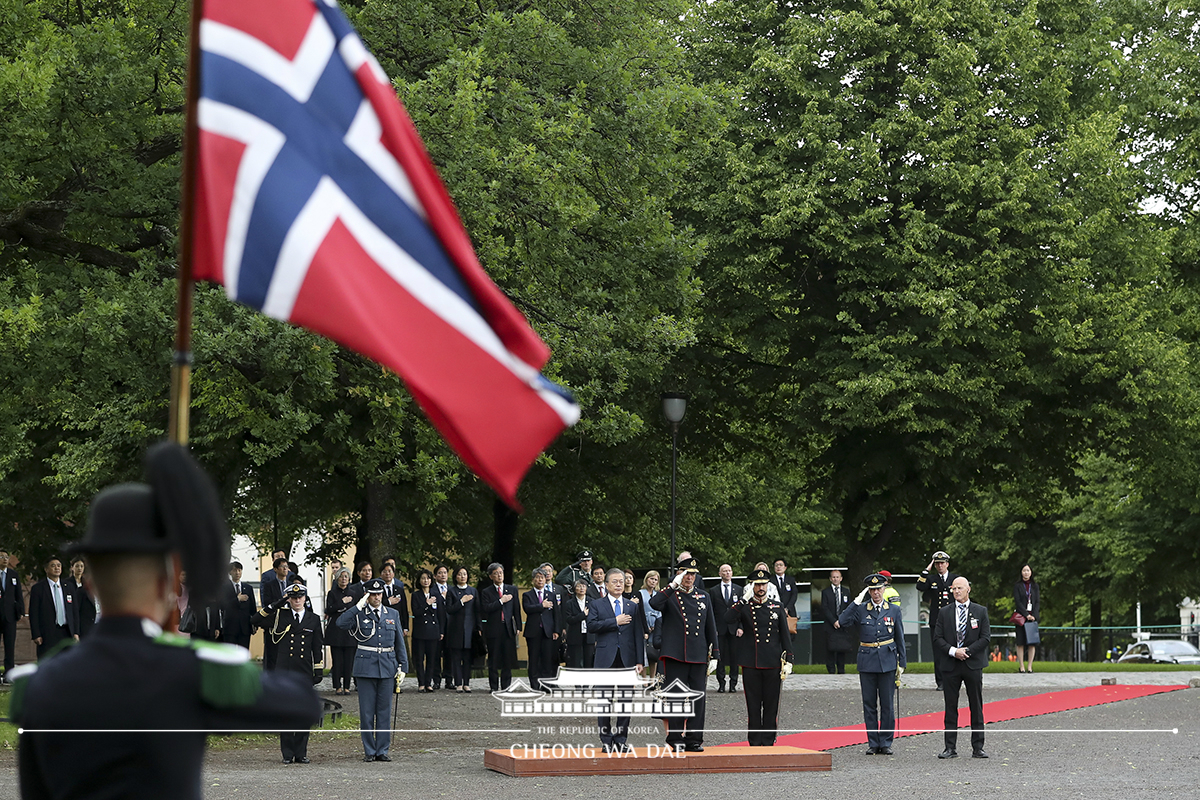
x=724 y=594
x=52 y=613
x=273 y=591
x=963 y=634
x=501 y=619
x=543 y=621
x=838 y=640
x=240 y=608
x=597 y=587
x=394 y=595
x=785 y=586
x=620 y=631
x=297 y=631
x=934 y=582
x=12 y=608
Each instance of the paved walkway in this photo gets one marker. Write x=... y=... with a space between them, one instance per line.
x=999 y=680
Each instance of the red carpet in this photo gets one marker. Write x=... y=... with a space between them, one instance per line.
x=998 y=711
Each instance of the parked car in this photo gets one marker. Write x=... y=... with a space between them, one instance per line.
x=1161 y=651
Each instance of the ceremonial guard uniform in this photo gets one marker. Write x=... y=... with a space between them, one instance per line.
x=300 y=648
x=581 y=570
x=379 y=665
x=131 y=676
x=689 y=643
x=763 y=649
x=880 y=656
x=936 y=588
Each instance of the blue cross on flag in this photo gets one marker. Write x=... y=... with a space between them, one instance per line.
x=317 y=203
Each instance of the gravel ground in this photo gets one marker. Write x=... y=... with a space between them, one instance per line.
x=1123 y=749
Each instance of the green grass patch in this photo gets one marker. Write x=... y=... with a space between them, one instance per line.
x=995 y=667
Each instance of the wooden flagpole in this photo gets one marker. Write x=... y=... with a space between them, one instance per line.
x=181 y=362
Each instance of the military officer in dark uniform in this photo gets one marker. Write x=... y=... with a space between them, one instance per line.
x=689 y=649
x=300 y=648
x=580 y=570
x=881 y=661
x=379 y=665
x=762 y=648
x=934 y=583
x=130 y=675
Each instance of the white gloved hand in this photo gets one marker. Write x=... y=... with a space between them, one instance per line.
x=858 y=600
x=748 y=592
x=712 y=666
x=785 y=669
x=678 y=579
x=899 y=672
x=399 y=680
x=362 y=601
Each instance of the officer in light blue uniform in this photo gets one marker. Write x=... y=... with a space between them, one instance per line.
x=381 y=657
x=881 y=659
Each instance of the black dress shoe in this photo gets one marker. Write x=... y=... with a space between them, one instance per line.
x=884 y=751
x=720 y=690
x=287 y=761
x=979 y=753
x=694 y=748
x=626 y=747
x=938 y=688
x=870 y=751
x=948 y=753
x=303 y=760
x=383 y=758
x=368 y=759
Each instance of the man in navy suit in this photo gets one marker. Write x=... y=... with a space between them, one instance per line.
x=543 y=620
x=620 y=632
x=501 y=620
x=724 y=594
x=273 y=590
x=12 y=608
x=963 y=633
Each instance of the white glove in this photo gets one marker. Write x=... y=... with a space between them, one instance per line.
x=785 y=669
x=858 y=600
x=712 y=666
x=678 y=579
x=748 y=592
x=399 y=680
x=899 y=672
x=362 y=601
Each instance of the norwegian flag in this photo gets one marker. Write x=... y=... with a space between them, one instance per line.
x=316 y=203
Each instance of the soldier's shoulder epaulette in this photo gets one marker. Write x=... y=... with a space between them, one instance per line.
x=19 y=677
x=228 y=678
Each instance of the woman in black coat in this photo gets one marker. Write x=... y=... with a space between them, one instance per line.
x=581 y=643
x=84 y=603
x=463 y=621
x=341 y=644
x=1027 y=600
x=428 y=630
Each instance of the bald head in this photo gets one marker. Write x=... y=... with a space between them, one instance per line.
x=961 y=589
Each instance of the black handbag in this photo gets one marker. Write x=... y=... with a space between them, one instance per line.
x=1032 y=636
x=187 y=621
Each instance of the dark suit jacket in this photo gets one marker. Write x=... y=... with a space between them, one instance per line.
x=787 y=593
x=574 y=617
x=593 y=592
x=463 y=618
x=428 y=619
x=716 y=593
x=41 y=610
x=629 y=640
x=238 y=613
x=978 y=639
x=498 y=621
x=837 y=640
x=270 y=590
x=85 y=606
x=539 y=620
x=400 y=608
x=12 y=602
x=1021 y=600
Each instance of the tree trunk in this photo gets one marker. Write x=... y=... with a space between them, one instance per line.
x=377 y=529
x=1096 y=636
x=504 y=536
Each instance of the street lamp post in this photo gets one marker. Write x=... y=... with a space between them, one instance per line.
x=674 y=406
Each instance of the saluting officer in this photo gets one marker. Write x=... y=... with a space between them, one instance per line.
x=689 y=649
x=935 y=583
x=379 y=665
x=580 y=570
x=300 y=648
x=881 y=660
x=763 y=649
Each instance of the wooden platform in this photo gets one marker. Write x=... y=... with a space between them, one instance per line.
x=521 y=761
